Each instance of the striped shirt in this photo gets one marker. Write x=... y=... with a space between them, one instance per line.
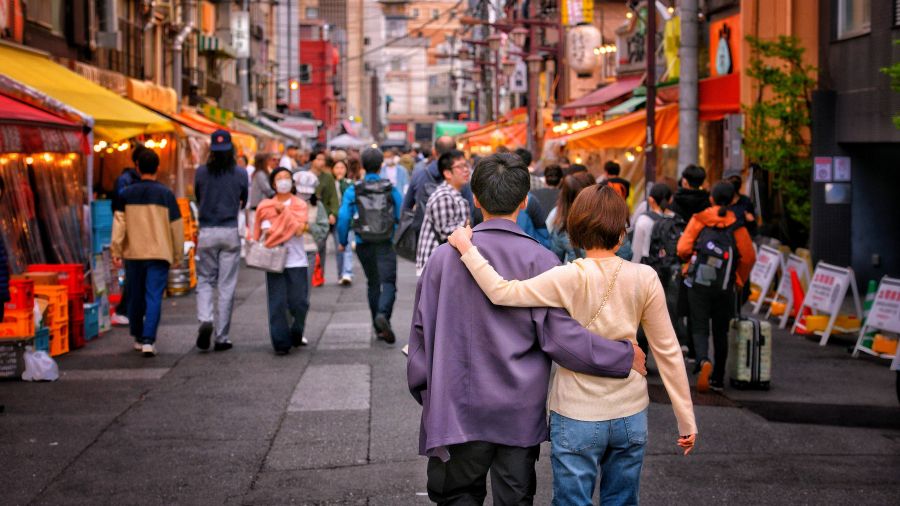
x=445 y=211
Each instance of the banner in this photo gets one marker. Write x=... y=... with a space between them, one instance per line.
x=577 y=11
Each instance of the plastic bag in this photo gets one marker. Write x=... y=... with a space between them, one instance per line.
x=39 y=366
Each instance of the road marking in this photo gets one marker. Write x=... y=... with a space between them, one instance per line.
x=332 y=387
x=346 y=336
x=148 y=373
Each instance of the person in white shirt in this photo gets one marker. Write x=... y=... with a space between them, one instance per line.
x=658 y=202
x=288 y=159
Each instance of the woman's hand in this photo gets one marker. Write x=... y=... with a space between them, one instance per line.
x=461 y=239
x=687 y=443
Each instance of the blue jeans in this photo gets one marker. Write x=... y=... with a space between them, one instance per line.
x=583 y=451
x=147 y=279
x=344 y=258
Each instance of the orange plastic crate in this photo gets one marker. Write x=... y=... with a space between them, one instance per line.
x=21 y=294
x=17 y=324
x=59 y=301
x=59 y=338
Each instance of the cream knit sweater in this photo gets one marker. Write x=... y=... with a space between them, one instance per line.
x=636 y=299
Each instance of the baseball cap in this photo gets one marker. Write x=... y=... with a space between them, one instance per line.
x=220 y=140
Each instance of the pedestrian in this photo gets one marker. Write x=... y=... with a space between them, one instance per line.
x=344 y=259
x=690 y=198
x=548 y=195
x=282 y=221
x=373 y=207
x=128 y=177
x=4 y=265
x=598 y=426
x=533 y=220
x=394 y=172
x=742 y=207
x=611 y=175
x=537 y=178
x=243 y=163
x=221 y=189
x=260 y=189
x=148 y=234
x=326 y=194
x=659 y=201
x=560 y=244
x=720 y=255
x=480 y=371
x=289 y=159
x=317 y=229
x=446 y=209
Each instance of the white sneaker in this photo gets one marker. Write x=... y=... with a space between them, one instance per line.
x=346 y=281
x=138 y=346
x=119 y=320
x=148 y=350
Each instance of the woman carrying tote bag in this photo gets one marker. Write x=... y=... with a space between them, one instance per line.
x=282 y=221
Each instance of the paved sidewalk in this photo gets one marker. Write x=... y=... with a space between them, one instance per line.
x=334 y=424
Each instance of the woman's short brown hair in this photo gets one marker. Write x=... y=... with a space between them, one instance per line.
x=597 y=219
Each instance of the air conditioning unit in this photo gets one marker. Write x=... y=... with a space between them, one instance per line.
x=110 y=40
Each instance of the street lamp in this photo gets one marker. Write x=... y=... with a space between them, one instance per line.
x=518 y=35
x=509 y=66
x=494 y=42
x=534 y=62
x=463 y=53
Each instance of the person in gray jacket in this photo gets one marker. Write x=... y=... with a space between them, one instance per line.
x=260 y=189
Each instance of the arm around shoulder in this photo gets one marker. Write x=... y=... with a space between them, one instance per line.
x=553 y=288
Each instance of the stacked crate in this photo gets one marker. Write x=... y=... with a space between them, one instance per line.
x=71 y=276
x=18 y=320
x=57 y=316
x=101 y=223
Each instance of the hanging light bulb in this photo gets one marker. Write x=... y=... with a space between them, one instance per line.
x=638 y=148
x=109 y=150
x=72 y=156
x=102 y=144
x=97 y=148
x=3 y=160
x=122 y=147
x=13 y=156
x=629 y=14
x=577 y=159
x=150 y=144
x=629 y=156
x=29 y=160
x=162 y=143
x=48 y=157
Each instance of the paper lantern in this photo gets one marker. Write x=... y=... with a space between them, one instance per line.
x=580 y=44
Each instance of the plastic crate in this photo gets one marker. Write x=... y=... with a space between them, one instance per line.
x=12 y=356
x=43 y=278
x=42 y=339
x=21 y=294
x=59 y=339
x=91 y=320
x=70 y=275
x=76 y=334
x=101 y=213
x=58 y=296
x=76 y=309
x=17 y=324
x=101 y=238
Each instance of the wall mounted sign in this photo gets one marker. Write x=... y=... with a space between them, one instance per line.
x=822 y=169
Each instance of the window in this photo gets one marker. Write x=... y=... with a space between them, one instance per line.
x=414 y=14
x=896 y=12
x=366 y=41
x=398 y=65
x=305 y=73
x=312 y=13
x=47 y=13
x=435 y=13
x=853 y=17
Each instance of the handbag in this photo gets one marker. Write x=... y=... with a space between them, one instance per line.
x=407 y=237
x=266 y=259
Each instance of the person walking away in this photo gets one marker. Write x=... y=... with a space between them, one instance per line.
x=611 y=175
x=282 y=221
x=305 y=184
x=742 y=207
x=446 y=209
x=690 y=198
x=548 y=195
x=129 y=176
x=260 y=189
x=394 y=172
x=720 y=255
x=560 y=245
x=148 y=234
x=481 y=371
x=288 y=159
x=598 y=426
x=327 y=195
x=221 y=190
x=372 y=206
x=344 y=259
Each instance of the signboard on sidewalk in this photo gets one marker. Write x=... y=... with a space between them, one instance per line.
x=768 y=261
x=884 y=315
x=826 y=294
x=785 y=289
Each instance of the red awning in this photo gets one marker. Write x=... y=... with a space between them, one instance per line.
x=719 y=96
x=594 y=102
x=27 y=129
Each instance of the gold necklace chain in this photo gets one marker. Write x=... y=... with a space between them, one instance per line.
x=612 y=284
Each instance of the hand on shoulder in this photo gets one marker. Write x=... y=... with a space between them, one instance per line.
x=461 y=239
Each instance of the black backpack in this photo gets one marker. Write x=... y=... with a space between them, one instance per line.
x=375 y=208
x=715 y=258
x=663 y=256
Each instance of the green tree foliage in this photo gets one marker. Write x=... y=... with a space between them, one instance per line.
x=776 y=133
x=894 y=73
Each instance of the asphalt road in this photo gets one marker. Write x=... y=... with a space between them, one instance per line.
x=334 y=424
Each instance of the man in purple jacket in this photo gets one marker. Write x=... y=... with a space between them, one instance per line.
x=481 y=371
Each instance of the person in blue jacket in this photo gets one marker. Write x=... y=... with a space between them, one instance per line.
x=378 y=258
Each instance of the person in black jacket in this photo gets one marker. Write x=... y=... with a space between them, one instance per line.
x=4 y=267
x=690 y=198
x=742 y=206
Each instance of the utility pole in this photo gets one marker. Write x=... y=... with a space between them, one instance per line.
x=688 y=138
x=650 y=150
x=533 y=63
x=244 y=69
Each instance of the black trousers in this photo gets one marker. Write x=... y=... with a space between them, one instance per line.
x=379 y=262
x=462 y=480
x=717 y=306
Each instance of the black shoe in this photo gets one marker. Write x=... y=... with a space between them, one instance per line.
x=281 y=353
x=716 y=385
x=224 y=345
x=203 y=335
x=383 y=326
x=298 y=340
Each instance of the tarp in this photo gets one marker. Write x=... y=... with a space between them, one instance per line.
x=290 y=133
x=512 y=136
x=626 y=131
x=115 y=118
x=625 y=107
x=347 y=141
x=244 y=144
x=596 y=101
x=27 y=129
x=719 y=96
x=450 y=128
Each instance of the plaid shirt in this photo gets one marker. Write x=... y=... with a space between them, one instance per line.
x=445 y=211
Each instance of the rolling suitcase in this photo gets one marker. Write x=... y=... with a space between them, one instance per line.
x=750 y=353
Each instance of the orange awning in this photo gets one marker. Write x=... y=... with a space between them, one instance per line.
x=719 y=96
x=626 y=131
x=244 y=144
x=512 y=136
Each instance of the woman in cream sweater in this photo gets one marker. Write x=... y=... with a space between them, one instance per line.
x=598 y=426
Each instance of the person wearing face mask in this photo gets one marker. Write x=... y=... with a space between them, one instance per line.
x=394 y=173
x=282 y=221
x=305 y=184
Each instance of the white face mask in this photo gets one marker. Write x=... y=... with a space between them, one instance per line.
x=284 y=185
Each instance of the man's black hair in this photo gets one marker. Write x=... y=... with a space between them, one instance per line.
x=661 y=193
x=148 y=162
x=136 y=152
x=500 y=183
x=443 y=144
x=371 y=160
x=445 y=162
x=612 y=168
x=553 y=175
x=694 y=175
x=292 y=146
x=575 y=168
x=525 y=155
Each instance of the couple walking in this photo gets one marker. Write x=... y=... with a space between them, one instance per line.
x=482 y=377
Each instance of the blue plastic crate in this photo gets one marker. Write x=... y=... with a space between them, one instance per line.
x=101 y=238
x=42 y=339
x=101 y=213
x=91 y=320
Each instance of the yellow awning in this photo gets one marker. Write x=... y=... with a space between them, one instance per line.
x=115 y=118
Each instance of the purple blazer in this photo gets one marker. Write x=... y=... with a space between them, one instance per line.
x=481 y=371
